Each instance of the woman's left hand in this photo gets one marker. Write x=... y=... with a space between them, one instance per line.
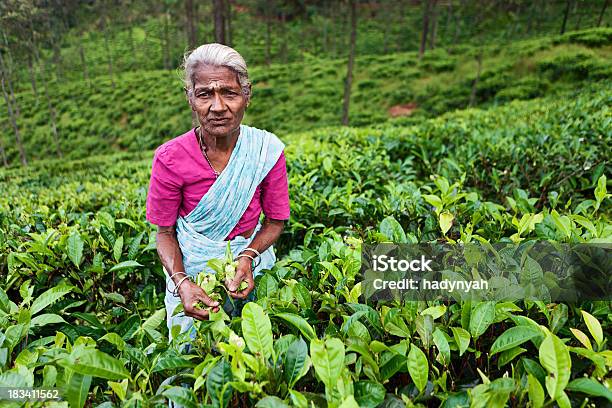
x=244 y=272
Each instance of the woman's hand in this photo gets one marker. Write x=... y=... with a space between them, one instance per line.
x=244 y=272
x=190 y=294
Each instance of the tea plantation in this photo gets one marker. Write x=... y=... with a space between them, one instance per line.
x=147 y=107
x=81 y=300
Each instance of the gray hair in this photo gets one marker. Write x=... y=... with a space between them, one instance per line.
x=218 y=55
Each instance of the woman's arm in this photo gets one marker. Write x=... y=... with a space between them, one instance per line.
x=266 y=236
x=172 y=259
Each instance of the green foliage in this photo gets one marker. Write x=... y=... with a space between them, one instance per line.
x=81 y=301
x=147 y=107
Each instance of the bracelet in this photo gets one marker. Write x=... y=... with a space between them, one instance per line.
x=178 y=285
x=252 y=249
x=170 y=279
x=253 y=266
x=245 y=256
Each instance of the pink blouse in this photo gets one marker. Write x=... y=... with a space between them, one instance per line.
x=180 y=176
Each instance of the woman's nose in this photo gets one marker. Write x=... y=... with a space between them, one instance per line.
x=218 y=104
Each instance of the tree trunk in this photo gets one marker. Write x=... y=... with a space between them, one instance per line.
x=333 y=42
x=268 y=38
x=284 y=46
x=57 y=58
x=53 y=116
x=109 y=56
x=425 y=31
x=228 y=22
x=8 y=72
x=458 y=16
x=434 y=25
x=8 y=99
x=84 y=61
x=32 y=76
x=603 y=11
x=580 y=14
x=351 y=62
x=3 y=153
x=475 y=83
x=568 y=5
x=532 y=15
x=166 y=40
x=218 y=11
x=449 y=19
x=192 y=37
x=400 y=42
x=388 y=17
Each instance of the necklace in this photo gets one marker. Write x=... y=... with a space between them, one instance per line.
x=203 y=149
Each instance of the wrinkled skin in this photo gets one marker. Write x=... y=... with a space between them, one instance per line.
x=219 y=103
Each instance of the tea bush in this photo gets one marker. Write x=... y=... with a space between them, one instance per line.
x=81 y=301
x=148 y=106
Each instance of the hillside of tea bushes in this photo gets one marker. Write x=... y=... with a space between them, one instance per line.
x=81 y=300
x=148 y=107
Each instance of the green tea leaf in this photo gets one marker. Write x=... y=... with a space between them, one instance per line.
x=124 y=265
x=536 y=392
x=442 y=345
x=328 y=359
x=76 y=390
x=98 y=364
x=294 y=360
x=369 y=394
x=481 y=318
x=48 y=297
x=218 y=382
x=513 y=337
x=594 y=327
x=118 y=248
x=446 y=221
x=299 y=323
x=579 y=334
x=555 y=358
x=462 y=338
x=257 y=330
x=590 y=387
x=392 y=229
x=418 y=367
x=74 y=248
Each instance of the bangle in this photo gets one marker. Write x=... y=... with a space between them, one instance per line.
x=178 y=285
x=170 y=279
x=246 y=256
x=252 y=249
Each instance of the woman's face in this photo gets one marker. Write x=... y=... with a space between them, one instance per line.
x=217 y=100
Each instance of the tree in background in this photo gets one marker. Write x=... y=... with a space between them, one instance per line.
x=428 y=10
x=191 y=20
x=219 y=11
x=568 y=6
x=351 y=61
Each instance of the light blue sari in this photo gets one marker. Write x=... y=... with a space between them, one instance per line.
x=201 y=233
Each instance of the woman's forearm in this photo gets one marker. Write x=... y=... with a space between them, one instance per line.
x=169 y=252
x=269 y=233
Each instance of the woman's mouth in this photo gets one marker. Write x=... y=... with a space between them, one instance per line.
x=218 y=121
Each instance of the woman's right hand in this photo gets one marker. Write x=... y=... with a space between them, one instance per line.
x=190 y=294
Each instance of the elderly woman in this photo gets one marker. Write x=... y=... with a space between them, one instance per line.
x=210 y=185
